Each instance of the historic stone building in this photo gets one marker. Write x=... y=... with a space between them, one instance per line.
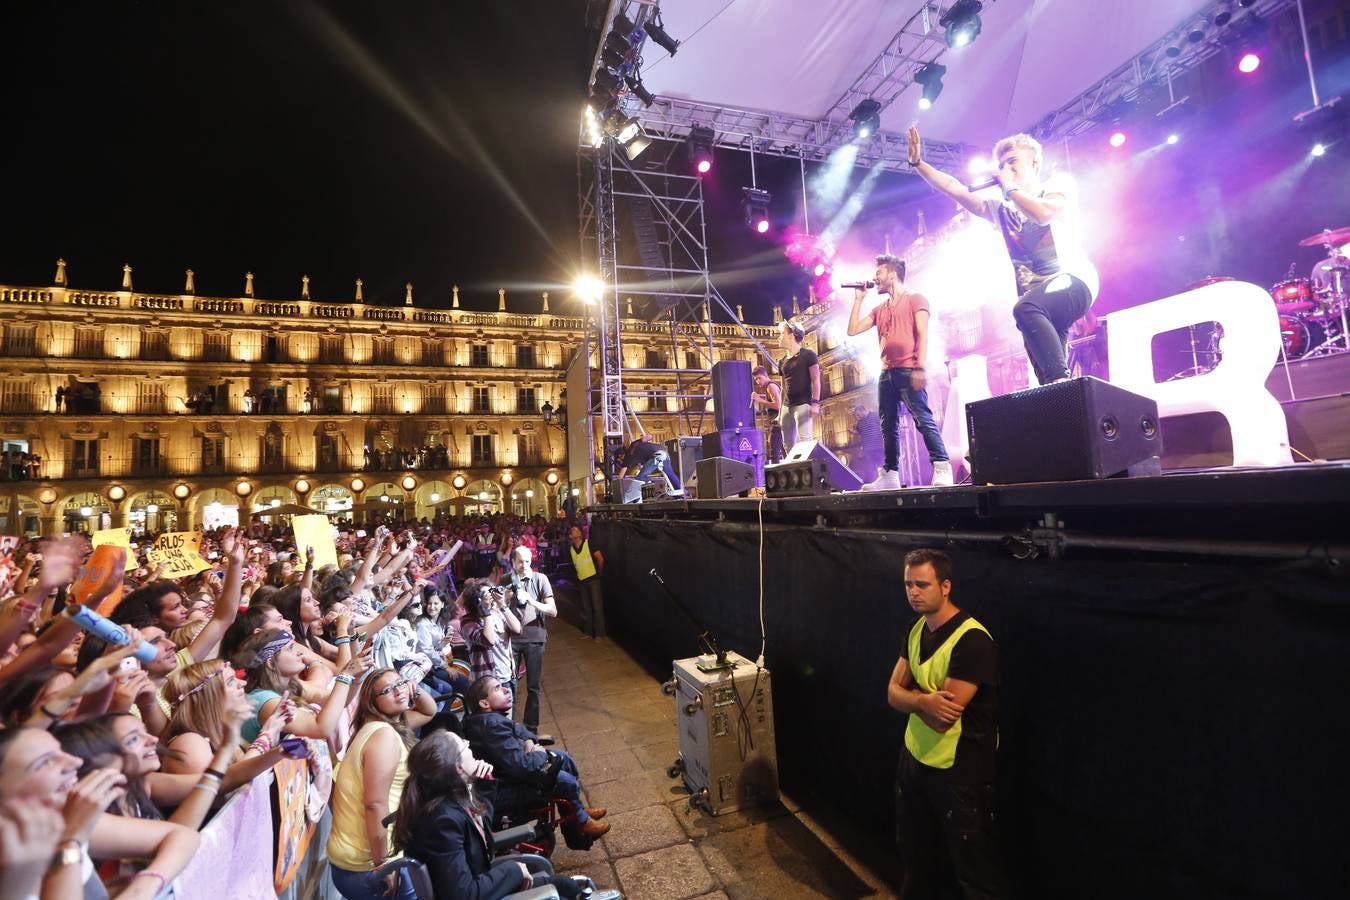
x=167 y=409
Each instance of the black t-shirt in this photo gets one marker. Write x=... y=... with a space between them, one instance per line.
x=797 y=376
x=974 y=659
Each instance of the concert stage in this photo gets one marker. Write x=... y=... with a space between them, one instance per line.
x=1173 y=657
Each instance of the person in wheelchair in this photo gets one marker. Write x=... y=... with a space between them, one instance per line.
x=526 y=773
x=444 y=824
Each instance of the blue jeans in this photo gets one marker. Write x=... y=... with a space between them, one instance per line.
x=369 y=886
x=569 y=787
x=893 y=388
x=660 y=458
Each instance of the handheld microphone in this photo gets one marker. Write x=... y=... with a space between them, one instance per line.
x=860 y=285
x=989 y=182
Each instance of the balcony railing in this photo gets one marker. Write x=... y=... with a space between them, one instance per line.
x=166 y=467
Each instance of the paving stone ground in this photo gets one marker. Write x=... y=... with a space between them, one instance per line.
x=612 y=717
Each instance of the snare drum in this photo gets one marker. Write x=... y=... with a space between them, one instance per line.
x=1294 y=295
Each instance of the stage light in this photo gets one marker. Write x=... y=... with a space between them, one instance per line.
x=819 y=269
x=619 y=51
x=1249 y=63
x=589 y=289
x=1117 y=139
x=607 y=83
x=755 y=204
x=627 y=131
x=699 y=146
x=930 y=79
x=962 y=23
x=866 y=117
x=1173 y=138
x=980 y=165
x=1319 y=150
x=640 y=90
x=657 y=32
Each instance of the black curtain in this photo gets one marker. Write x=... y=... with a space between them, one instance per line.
x=1168 y=728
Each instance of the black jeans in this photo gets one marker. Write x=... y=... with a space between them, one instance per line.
x=1044 y=315
x=533 y=655
x=592 y=606
x=944 y=828
x=893 y=388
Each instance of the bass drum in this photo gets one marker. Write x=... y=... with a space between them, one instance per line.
x=1300 y=335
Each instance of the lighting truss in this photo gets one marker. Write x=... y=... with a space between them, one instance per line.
x=1150 y=69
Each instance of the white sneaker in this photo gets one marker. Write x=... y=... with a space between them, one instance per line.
x=942 y=474
x=886 y=480
x=676 y=492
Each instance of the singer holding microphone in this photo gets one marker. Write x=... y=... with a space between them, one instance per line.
x=902 y=331
x=1056 y=282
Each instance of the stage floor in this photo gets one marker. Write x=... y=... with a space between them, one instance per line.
x=1299 y=506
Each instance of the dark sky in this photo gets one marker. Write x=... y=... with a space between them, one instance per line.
x=396 y=141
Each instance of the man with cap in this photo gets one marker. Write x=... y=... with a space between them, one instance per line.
x=801 y=380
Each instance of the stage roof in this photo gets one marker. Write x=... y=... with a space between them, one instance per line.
x=801 y=56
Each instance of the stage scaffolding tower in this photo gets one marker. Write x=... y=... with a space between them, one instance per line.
x=643 y=226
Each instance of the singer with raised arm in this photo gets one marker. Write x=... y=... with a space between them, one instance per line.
x=902 y=329
x=1056 y=282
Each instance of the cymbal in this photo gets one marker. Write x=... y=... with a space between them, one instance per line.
x=1212 y=279
x=1329 y=237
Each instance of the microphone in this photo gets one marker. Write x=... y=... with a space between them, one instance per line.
x=860 y=285
x=989 y=182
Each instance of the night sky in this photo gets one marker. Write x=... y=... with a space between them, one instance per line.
x=423 y=141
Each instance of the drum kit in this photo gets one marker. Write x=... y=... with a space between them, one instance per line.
x=1313 y=310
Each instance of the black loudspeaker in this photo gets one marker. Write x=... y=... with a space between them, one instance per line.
x=685 y=452
x=803 y=478
x=720 y=477
x=1079 y=429
x=839 y=476
x=743 y=444
x=731 y=389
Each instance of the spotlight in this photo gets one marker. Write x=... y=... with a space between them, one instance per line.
x=756 y=206
x=607 y=83
x=866 y=117
x=657 y=32
x=618 y=53
x=962 y=23
x=589 y=289
x=1249 y=63
x=640 y=90
x=1173 y=138
x=819 y=269
x=627 y=131
x=930 y=79
x=1319 y=150
x=980 y=165
x=700 y=146
x=1117 y=139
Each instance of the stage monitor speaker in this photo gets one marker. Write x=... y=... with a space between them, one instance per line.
x=731 y=389
x=719 y=476
x=685 y=452
x=630 y=490
x=803 y=478
x=1079 y=429
x=743 y=444
x=839 y=476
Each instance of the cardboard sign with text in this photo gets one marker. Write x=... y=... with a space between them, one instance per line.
x=99 y=584
x=180 y=554
x=115 y=537
x=316 y=532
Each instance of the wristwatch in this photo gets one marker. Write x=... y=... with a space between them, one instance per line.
x=70 y=853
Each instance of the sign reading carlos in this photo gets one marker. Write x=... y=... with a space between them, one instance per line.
x=180 y=554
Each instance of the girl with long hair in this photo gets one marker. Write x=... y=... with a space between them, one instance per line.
x=275 y=662
x=369 y=784
x=208 y=706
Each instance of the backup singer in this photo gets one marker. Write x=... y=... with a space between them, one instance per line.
x=1056 y=283
x=768 y=400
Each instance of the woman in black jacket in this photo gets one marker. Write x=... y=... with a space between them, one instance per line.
x=442 y=823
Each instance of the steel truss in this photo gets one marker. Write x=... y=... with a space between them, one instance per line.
x=1153 y=69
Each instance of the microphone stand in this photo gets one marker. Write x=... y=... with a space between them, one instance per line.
x=705 y=635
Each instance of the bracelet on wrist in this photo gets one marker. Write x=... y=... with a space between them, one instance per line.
x=343 y=678
x=28 y=608
x=214 y=773
x=55 y=717
x=210 y=787
x=339 y=641
x=262 y=744
x=151 y=873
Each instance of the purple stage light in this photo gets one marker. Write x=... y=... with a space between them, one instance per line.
x=1173 y=138
x=1249 y=63
x=762 y=226
x=704 y=166
x=1117 y=139
x=819 y=269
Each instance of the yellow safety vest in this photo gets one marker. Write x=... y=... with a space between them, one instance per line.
x=582 y=561
x=936 y=749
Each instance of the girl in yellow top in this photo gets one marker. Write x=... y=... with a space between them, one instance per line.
x=369 y=784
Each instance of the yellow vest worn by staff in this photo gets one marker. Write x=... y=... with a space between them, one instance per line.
x=582 y=560
x=936 y=749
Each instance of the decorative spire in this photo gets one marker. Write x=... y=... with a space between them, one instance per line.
x=796 y=310
x=454 y=297
x=629 y=312
x=304 y=287
x=777 y=314
x=501 y=299
x=407 y=294
x=810 y=296
x=545 y=309
x=739 y=313
x=189 y=285
x=126 y=277
x=360 y=291
x=248 y=284
x=60 y=273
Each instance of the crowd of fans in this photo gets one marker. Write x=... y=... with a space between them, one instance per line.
x=393 y=458
x=20 y=465
x=394 y=676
